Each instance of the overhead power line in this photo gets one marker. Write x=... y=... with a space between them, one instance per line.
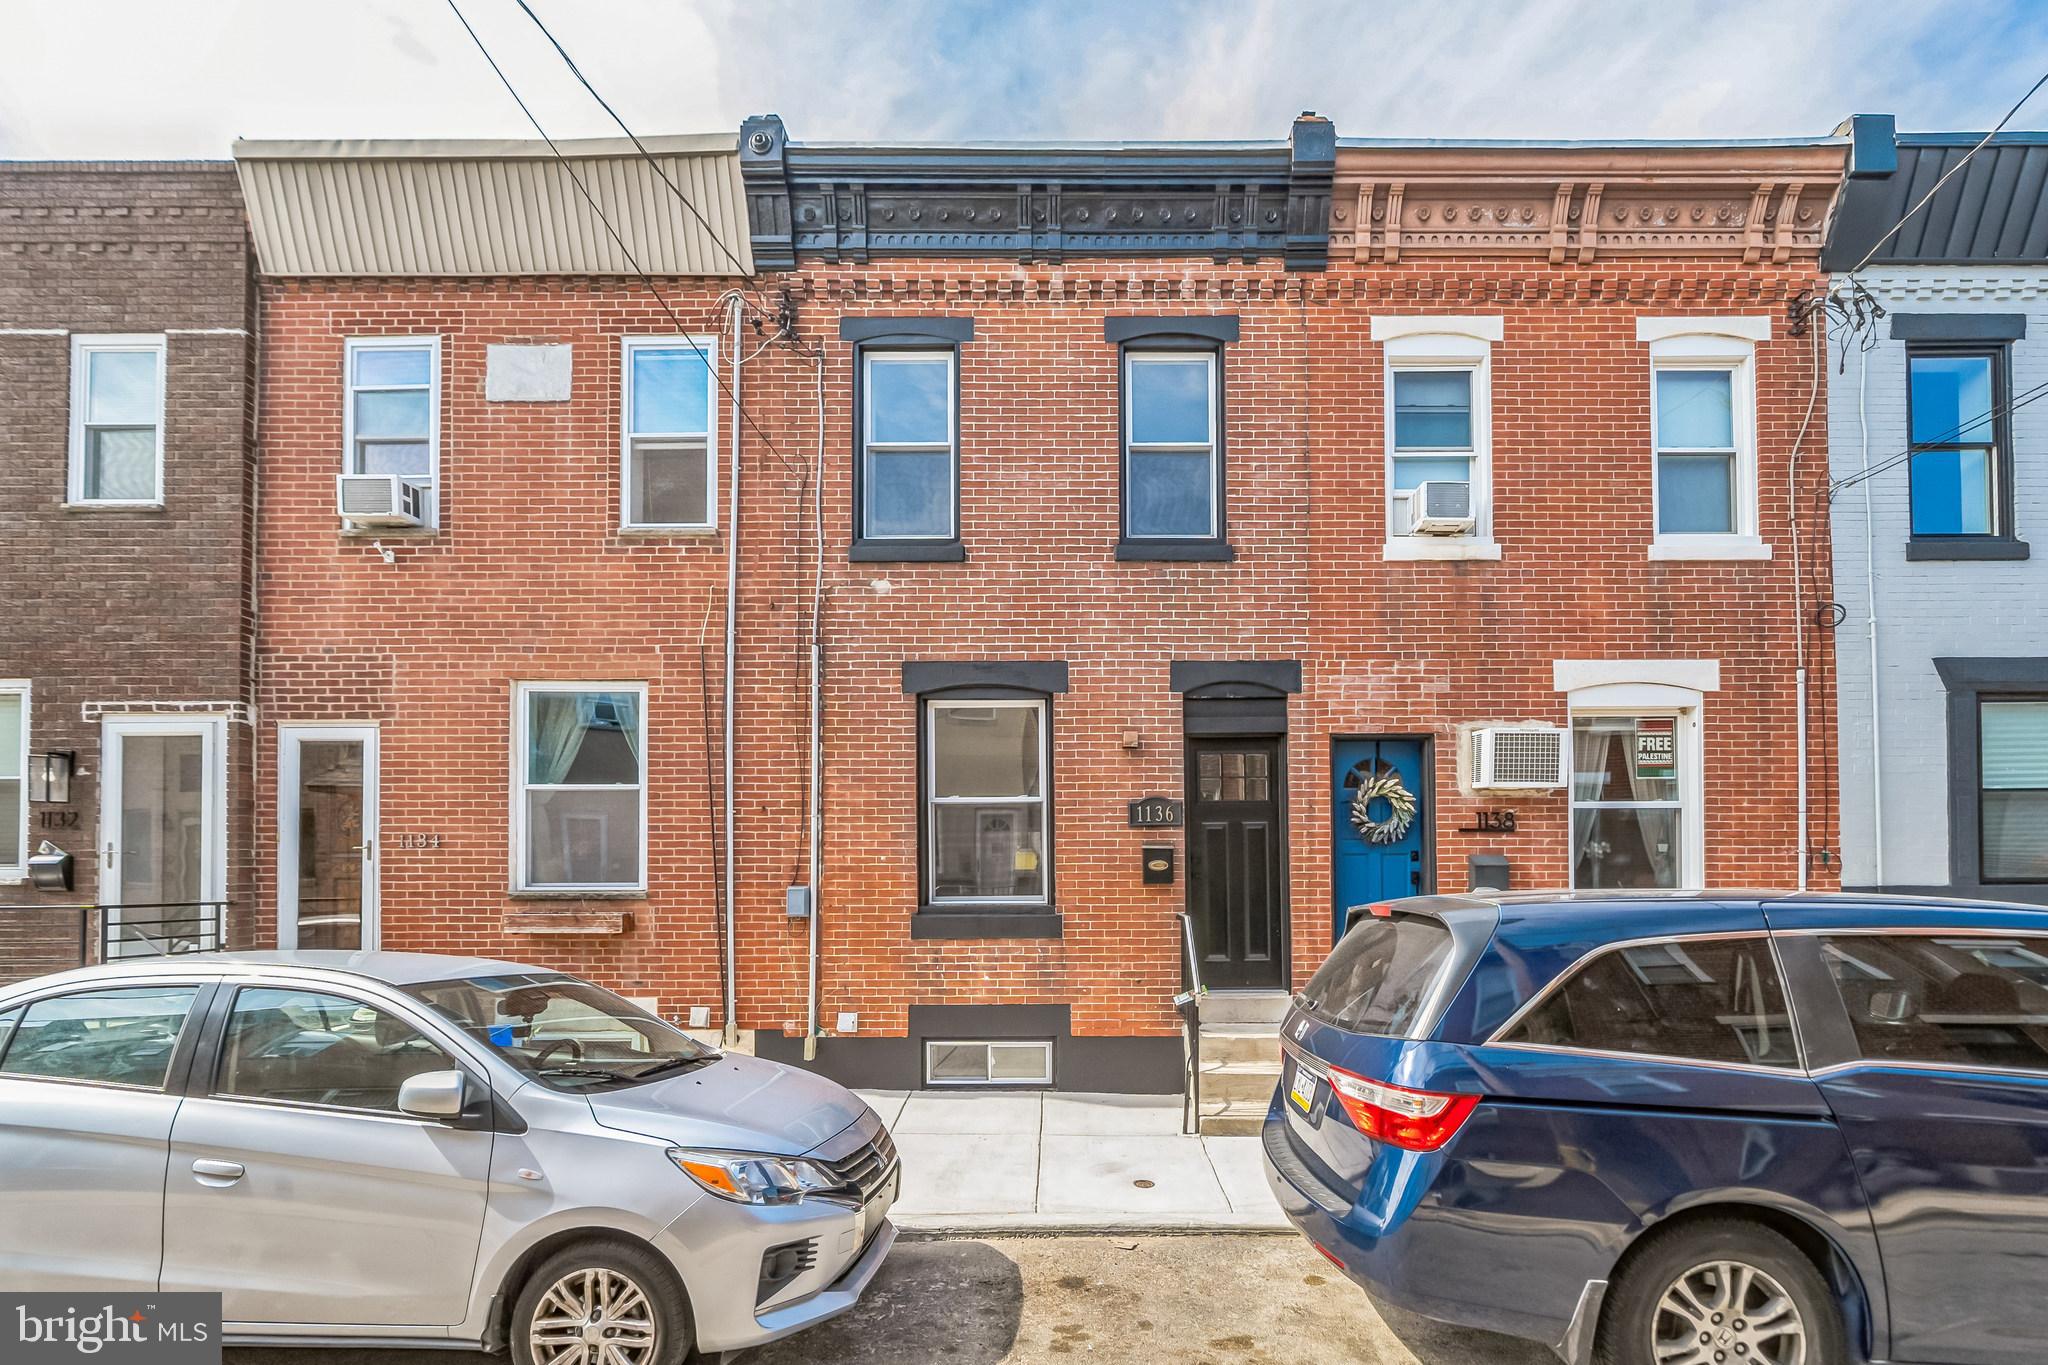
x=646 y=279
x=1892 y=231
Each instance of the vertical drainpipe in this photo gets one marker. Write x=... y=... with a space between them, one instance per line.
x=732 y=636
x=817 y=812
x=1870 y=625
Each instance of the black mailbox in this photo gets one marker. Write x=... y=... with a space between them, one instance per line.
x=1486 y=872
x=1158 y=864
x=49 y=868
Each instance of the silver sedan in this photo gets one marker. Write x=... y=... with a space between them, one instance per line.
x=404 y=1148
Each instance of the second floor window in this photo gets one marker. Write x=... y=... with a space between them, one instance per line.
x=393 y=416
x=1170 y=466
x=670 y=476
x=1434 y=439
x=909 y=466
x=117 y=420
x=1957 y=467
x=1697 y=467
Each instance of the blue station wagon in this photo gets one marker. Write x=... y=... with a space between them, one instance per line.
x=1683 y=1129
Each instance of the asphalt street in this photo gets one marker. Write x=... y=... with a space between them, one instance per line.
x=1205 y=1299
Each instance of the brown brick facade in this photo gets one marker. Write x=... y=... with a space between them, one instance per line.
x=111 y=611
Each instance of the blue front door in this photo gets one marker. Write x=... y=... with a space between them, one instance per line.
x=1387 y=855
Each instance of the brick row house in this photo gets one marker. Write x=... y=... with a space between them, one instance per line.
x=1170 y=547
x=127 y=312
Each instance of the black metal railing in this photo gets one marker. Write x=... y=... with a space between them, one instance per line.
x=162 y=928
x=1189 y=1003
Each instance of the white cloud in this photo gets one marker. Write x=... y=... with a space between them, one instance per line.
x=184 y=77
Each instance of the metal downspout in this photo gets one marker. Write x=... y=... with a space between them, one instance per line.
x=817 y=783
x=732 y=636
x=1870 y=625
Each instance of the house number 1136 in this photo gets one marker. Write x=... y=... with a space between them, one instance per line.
x=419 y=841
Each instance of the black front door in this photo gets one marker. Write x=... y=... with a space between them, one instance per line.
x=1237 y=835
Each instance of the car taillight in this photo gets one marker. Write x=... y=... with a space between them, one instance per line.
x=1417 y=1120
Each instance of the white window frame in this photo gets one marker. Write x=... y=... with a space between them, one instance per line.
x=1638 y=700
x=708 y=348
x=349 y=389
x=82 y=349
x=932 y=801
x=521 y=712
x=1136 y=354
x=19 y=687
x=988 y=1045
x=1714 y=344
x=1441 y=344
x=869 y=357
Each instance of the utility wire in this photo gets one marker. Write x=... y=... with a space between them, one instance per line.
x=651 y=159
x=2018 y=401
x=1894 y=228
x=617 y=240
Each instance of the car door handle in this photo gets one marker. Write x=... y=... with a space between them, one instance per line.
x=222 y=1172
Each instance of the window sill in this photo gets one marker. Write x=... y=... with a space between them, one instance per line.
x=113 y=507
x=1169 y=551
x=906 y=552
x=1923 y=548
x=1440 y=547
x=350 y=531
x=664 y=532
x=618 y=893
x=944 y=922
x=1709 y=548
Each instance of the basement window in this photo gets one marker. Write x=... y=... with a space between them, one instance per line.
x=1008 y=1061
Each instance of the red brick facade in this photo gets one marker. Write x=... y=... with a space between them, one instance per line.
x=530 y=579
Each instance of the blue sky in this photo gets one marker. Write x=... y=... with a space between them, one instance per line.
x=174 y=78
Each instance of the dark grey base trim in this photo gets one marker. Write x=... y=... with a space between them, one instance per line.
x=1126 y=1066
x=2010 y=893
x=1169 y=551
x=938 y=923
x=1938 y=548
x=906 y=552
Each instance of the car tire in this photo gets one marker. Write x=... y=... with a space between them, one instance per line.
x=1719 y=1283
x=651 y=1325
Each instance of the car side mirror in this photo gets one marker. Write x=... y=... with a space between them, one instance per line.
x=434 y=1095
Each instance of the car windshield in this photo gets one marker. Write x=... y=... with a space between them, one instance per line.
x=567 y=1033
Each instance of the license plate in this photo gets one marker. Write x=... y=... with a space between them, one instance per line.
x=875 y=1210
x=1302 y=1089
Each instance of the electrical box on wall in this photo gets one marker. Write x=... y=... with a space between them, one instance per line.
x=797 y=902
x=1158 y=864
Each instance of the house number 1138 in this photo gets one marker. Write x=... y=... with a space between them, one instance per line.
x=419 y=841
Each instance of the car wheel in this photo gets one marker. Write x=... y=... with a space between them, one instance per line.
x=601 y=1303
x=1721 y=1292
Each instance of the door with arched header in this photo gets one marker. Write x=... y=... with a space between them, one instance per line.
x=1380 y=845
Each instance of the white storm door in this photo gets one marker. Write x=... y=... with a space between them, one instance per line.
x=163 y=833
x=327 y=837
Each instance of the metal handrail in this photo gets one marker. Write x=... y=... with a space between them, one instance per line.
x=210 y=929
x=1189 y=1003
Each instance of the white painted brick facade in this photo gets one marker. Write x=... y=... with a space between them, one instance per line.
x=1923 y=610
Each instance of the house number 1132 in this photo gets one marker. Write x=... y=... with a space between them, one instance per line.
x=419 y=841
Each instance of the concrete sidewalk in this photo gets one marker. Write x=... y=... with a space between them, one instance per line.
x=1045 y=1162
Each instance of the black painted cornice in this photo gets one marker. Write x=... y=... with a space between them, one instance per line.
x=1226 y=201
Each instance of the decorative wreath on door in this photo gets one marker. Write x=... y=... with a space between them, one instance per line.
x=1383 y=785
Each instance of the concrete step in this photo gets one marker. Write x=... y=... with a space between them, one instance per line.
x=1238 y=1008
x=1233 y=1118
x=1251 y=1082
x=1240 y=1043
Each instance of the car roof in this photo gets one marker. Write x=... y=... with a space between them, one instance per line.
x=393 y=969
x=1613 y=916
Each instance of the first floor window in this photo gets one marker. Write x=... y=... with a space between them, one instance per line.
x=1170 y=463
x=669 y=476
x=392 y=418
x=1628 y=810
x=2013 y=819
x=908 y=446
x=1953 y=398
x=581 y=813
x=985 y=785
x=13 y=781
x=1697 y=460
x=117 y=417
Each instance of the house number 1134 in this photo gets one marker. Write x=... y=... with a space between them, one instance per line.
x=419 y=841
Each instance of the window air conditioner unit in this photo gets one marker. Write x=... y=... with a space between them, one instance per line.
x=382 y=500
x=1520 y=758
x=1441 y=507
